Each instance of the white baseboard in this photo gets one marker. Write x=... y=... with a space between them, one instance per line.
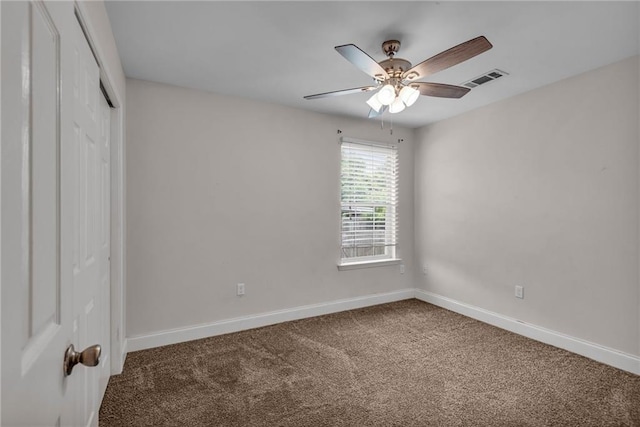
x=174 y=336
x=125 y=350
x=588 y=349
x=118 y=359
x=606 y=355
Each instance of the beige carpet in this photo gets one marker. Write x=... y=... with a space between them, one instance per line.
x=401 y=364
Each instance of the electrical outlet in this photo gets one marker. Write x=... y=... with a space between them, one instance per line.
x=424 y=269
x=520 y=292
x=401 y=268
x=240 y=289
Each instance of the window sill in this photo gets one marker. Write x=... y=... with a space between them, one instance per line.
x=369 y=264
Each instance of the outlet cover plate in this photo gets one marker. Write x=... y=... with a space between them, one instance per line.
x=520 y=292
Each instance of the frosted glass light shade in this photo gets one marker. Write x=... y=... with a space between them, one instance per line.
x=396 y=106
x=386 y=95
x=409 y=95
x=375 y=103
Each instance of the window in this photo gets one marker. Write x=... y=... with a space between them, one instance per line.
x=369 y=201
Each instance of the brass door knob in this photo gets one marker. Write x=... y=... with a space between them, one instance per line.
x=90 y=356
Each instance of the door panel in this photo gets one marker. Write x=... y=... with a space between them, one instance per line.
x=43 y=177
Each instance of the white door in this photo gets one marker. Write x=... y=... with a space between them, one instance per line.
x=104 y=250
x=91 y=214
x=52 y=204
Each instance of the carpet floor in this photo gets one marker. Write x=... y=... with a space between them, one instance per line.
x=407 y=363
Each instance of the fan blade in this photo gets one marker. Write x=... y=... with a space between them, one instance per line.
x=374 y=114
x=440 y=90
x=448 y=58
x=360 y=59
x=341 y=92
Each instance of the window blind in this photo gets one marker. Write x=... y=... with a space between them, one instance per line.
x=369 y=200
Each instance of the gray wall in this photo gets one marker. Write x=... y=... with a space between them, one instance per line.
x=223 y=190
x=539 y=190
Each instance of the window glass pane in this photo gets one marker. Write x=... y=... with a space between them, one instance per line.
x=369 y=181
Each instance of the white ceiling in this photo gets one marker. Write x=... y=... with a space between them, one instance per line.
x=280 y=51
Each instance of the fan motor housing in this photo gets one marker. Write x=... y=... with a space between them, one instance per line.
x=395 y=66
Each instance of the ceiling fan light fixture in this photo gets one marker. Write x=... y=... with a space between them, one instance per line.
x=409 y=95
x=375 y=103
x=387 y=94
x=397 y=106
x=398 y=83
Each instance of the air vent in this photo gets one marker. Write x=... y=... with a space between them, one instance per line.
x=487 y=77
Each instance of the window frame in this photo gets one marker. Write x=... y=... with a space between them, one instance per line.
x=392 y=257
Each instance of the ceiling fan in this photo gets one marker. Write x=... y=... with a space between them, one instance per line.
x=397 y=79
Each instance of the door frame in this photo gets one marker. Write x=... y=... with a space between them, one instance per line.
x=118 y=197
x=0 y=219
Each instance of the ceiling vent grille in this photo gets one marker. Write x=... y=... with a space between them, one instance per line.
x=487 y=77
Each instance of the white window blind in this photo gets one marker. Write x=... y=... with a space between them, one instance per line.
x=369 y=200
